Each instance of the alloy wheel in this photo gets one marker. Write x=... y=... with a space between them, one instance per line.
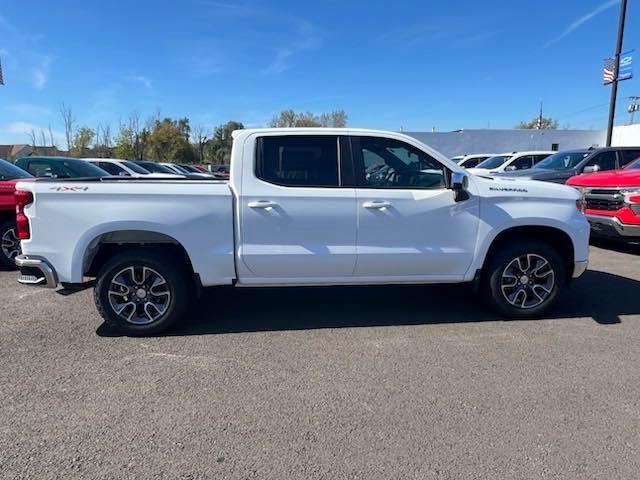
x=10 y=244
x=139 y=295
x=527 y=281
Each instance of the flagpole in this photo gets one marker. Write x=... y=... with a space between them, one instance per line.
x=614 y=85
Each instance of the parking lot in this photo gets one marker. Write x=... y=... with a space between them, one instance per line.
x=360 y=382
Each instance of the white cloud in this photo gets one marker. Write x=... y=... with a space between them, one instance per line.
x=584 y=19
x=41 y=72
x=279 y=63
x=147 y=82
x=306 y=38
x=19 y=132
x=29 y=110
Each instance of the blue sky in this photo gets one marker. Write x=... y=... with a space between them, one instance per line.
x=409 y=64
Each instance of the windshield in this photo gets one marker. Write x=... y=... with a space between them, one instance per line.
x=190 y=169
x=494 y=162
x=156 y=167
x=8 y=171
x=135 y=167
x=562 y=160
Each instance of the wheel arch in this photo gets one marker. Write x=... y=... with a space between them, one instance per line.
x=105 y=245
x=555 y=237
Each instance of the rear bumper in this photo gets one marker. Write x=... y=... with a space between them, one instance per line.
x=612 y=226
x=36 y=271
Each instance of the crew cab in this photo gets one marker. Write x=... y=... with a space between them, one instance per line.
x=301 y=209
x=612 y=201
x=9 y=241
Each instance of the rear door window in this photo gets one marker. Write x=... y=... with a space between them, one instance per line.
x=298 y=160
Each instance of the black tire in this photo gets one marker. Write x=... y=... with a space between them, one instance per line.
x=147 y=265
x=8 y=251
x=500 y=271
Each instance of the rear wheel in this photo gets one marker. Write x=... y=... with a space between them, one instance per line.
x=524 y=279
x=9 y=244
x=141 y=292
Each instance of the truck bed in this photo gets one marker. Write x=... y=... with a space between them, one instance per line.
x=69 y=217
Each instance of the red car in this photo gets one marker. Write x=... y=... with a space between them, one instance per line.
x=612 y=201
x=10 y=244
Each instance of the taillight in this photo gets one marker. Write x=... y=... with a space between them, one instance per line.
x=23 y=198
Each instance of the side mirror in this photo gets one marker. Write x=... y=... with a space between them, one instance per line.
x=510 y=168
x=591 y=169
x=459 y=185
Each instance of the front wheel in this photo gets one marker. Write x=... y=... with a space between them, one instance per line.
x=141 y=292
x=9 y=243
x=523 y=280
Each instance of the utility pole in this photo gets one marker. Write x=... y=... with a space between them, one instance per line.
x=634 y=106
x=614 y=85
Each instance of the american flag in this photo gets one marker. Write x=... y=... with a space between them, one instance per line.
x=609 y=71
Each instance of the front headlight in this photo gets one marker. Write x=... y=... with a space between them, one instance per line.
x=632 y=198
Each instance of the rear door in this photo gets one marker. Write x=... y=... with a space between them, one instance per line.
x=409 y=226
x=297 y=220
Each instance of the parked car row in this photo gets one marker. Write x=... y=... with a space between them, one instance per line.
x=609 y=179
x=71 y=168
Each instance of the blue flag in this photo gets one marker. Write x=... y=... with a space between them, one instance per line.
x=625 y=72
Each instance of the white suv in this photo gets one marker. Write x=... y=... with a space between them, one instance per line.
x=509 y=162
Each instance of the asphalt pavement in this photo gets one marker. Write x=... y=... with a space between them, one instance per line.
x=412 y=382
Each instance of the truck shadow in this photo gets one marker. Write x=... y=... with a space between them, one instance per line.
x=632 y=248
x=597 y=295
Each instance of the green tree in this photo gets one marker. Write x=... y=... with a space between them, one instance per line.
x=289 y=118
x=219 y=147
x=169 y=141
x=547 y=123
x=81 y=140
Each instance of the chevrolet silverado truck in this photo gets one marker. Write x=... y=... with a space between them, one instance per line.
x=9 y=241
x=612 y=201
x=301 y=209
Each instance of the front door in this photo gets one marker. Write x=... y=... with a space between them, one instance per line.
x=297 y=221
x=409 y=225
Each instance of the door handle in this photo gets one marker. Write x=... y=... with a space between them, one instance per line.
x=262 y=204
x=378 y=205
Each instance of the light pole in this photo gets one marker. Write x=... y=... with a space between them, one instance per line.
x=614 y=85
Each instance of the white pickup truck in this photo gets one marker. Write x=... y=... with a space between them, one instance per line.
x=302 y=207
